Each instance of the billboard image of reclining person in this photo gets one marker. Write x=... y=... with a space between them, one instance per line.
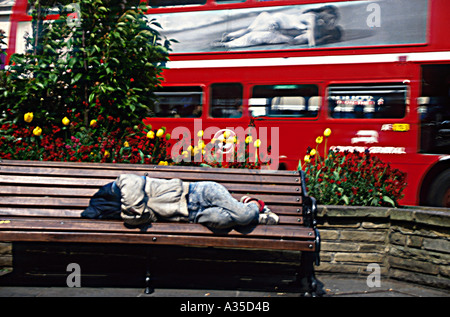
x=312 y=27
x=297 y=26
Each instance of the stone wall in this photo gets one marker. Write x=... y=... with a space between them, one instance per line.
x=408 y=244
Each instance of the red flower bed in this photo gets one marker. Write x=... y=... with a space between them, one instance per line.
x=110 y=140
x=104 y=141
x=352 y=178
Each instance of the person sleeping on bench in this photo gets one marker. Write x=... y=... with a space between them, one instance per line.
x=140 y=200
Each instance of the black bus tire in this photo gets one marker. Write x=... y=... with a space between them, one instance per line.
x=439 y=193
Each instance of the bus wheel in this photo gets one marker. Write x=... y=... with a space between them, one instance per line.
x=439 y=194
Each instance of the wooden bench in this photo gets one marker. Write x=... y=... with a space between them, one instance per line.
x=42 y=202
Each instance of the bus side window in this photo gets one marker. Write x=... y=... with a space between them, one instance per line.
x=226 y=100
x=367 y=101
x=178 y=102
x=298 y=101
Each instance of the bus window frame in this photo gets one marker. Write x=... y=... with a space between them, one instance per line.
x=203 y=103
x=208 y=102
x=320 y=90
x=408 y=111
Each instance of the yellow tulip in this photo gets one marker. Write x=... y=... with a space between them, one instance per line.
x=93 y=122
x=126 y=144
x=107 y=154
x=159 y=133
x=248 y=139
x=28 y=117
x=327 y=132
x=313 y=152
x=200 y=133
x=307 y=159
x=196 y=150
x=319 y=139
x=151 y=135
x=37 y=131
x=257 y=143
x=65 y=121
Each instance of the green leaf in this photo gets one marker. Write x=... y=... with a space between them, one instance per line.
x=388 y=200
x=53 y=77
x=91 y=97
x=345 y=199
x=76 y=78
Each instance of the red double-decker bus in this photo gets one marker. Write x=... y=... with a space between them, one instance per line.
x=377 y=73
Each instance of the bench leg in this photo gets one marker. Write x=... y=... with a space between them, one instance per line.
x=149 y=289
x=306 y=279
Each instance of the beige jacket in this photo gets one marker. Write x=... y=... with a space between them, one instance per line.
x=145 y=199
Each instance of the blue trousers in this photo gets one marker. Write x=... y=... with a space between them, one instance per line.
x=212 y=205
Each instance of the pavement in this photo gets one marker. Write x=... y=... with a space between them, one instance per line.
x=333 y=286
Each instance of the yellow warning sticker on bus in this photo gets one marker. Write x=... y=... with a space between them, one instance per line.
x=400 y=127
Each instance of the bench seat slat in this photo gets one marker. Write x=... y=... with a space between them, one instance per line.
x=164 y=239
x=53 y=224
x=123 y=238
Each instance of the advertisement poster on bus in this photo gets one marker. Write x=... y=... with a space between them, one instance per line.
x=333 y=24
